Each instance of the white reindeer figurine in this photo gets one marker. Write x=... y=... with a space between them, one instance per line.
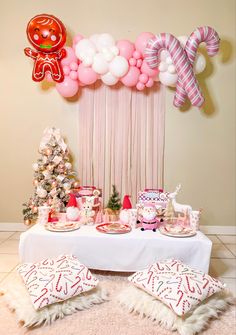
x=179 y=207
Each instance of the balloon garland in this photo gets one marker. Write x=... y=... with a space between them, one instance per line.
x=165 y=58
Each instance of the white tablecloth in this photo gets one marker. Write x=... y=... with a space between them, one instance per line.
x=125 y=252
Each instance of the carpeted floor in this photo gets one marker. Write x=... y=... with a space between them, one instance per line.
x=108 y=318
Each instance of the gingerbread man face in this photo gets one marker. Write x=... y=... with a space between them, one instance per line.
x=46 y=33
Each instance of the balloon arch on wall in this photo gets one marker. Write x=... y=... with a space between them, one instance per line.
x=163 y=57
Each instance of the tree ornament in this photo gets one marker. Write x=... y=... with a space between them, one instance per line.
x=27 y=222
x=35 y=166
x=41 y=192
x=35 y=182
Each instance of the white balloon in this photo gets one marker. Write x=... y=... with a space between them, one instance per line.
x=105 y=41
x=164 y=54
x=119 y=66
x=199 y=64
x=100 y=64
x=87 y=61
x=115 y=50
x=108 y=55
x=109 y=79
x=84 y=48
x=168 y=79
x=183 y=40
x=163 y=66
x=94 y=39
x=169 y=60
x=171 y=68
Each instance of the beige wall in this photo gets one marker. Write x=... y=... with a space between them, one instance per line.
x=200 y=145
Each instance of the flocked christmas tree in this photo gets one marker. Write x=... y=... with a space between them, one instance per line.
x=53 y=176
x=114 y=202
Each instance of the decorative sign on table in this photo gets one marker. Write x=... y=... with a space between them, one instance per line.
x=172 y=61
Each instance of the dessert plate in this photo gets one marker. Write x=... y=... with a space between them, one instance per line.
x=113 y=228
x=177 y=231
x=62 y=226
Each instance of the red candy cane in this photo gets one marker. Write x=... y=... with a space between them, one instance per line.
x=199 y=35
x=182 y=64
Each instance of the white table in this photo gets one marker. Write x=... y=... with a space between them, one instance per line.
x=121 y=252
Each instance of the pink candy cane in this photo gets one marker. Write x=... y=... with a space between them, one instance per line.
x=183 y=60
x=182 y=64
x=199 y=35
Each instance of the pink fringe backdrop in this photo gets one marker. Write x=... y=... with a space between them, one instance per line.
x=121 y=138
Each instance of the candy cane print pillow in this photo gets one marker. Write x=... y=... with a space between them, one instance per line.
x=57 y=279
x=176 y=284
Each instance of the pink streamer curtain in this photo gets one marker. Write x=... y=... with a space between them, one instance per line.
x=121 y=138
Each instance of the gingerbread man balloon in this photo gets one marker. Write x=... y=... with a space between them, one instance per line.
x=47 y=34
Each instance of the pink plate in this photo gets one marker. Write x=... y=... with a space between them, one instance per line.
x=113 y=228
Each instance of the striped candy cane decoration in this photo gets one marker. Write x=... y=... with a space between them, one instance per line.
x=201 y=34
x=182 y=64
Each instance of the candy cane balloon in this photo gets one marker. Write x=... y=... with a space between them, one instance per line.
x=199 y=35
x=182 y=64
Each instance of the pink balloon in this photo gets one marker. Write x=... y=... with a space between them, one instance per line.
x=143 y=78
x=146 y=69
x=132 y=61
x=68 y=88
x=70 y=57
x=137 y=54
x=142 y=40
x=126 y=48
x=87 y=75
x=150 y=82
x=140 y=86
x=66 y=70
x=73 y=75
x=131 y=77
x=74 y=66
x=76 y=39
x=139 y=62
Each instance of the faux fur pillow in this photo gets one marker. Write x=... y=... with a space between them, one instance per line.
x=176 y=284
x=18 y=300
x=139 y=302
x=56 y=279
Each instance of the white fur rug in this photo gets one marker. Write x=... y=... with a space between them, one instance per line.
x=140 y=302
x=18 y=300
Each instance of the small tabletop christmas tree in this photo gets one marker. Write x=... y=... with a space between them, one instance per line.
x=53 y=176
x=114 y=202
